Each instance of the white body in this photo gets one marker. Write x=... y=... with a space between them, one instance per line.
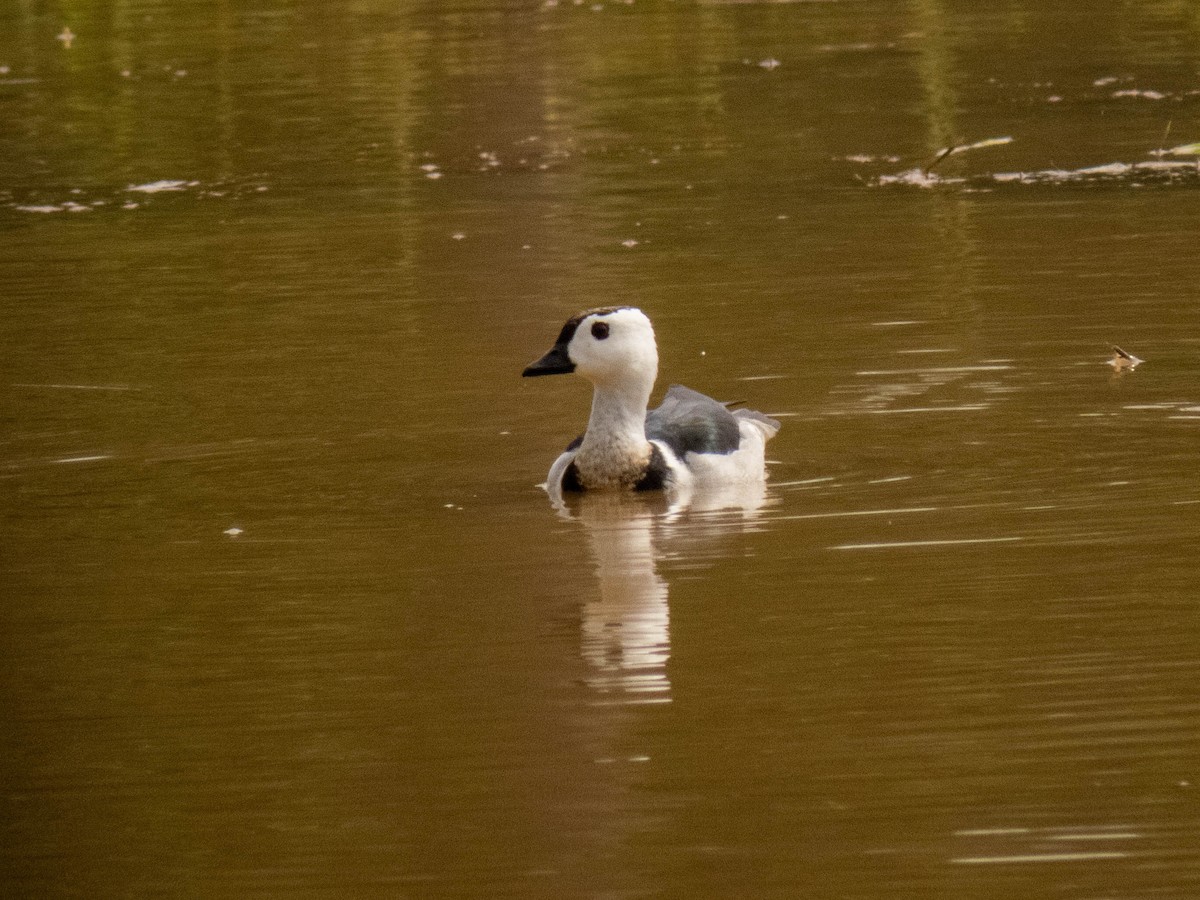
x=615 y=350
x=746 y=464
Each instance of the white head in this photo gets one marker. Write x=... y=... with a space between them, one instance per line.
x=611 y=347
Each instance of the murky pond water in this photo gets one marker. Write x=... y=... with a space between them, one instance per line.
x=285 y=613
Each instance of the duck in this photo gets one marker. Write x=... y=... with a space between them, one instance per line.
x=690 y=439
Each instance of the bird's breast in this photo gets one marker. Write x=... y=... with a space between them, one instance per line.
x=611 y=465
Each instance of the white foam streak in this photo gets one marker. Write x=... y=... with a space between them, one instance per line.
x=888 y=545
x=934 y=370
x=861 y=512
x=970 y=407
x=1037 y=858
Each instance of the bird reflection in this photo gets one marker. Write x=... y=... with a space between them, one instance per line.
x=625 y=634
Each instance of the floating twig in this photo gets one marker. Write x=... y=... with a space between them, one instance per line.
x=963 y=148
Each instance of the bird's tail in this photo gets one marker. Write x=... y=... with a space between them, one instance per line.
x=768 y=426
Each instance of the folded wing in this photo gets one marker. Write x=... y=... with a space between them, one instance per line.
x=689 y=422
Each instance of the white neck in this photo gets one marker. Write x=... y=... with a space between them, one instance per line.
x=618 y=415
x=615 y=449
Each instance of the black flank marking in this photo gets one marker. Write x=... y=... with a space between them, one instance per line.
x=570 y=480
x=574 y=445
x=657 y=471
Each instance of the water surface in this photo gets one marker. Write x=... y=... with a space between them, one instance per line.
x=286 y=612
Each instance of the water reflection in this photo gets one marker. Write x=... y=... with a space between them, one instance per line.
x=625 y=637
x=625 y=633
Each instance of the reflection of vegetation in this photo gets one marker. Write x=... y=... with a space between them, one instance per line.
x=664 y=48
x=934 y=67
x=951 y=279
x=363 y=94
x=216 y=93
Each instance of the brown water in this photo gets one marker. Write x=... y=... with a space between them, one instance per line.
x=284 y=612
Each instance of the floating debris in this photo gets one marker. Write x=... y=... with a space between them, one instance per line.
x=39 y=208
x=66 y=36
x=1122 y=361
x=233 y=531
x=865 y=158
x=955 y=149
x=66 y=206
x=156 y=187
x=117 y=197
x=1148 y=172
x=986 y=142
x=917 y=178
x=1143 y=94
x=1182 y=150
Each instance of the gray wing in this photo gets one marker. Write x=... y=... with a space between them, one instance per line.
x=689 y=422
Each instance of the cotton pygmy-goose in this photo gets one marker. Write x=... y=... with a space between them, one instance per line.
x=689 y=439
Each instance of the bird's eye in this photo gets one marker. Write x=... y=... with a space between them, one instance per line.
x=599 y=330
